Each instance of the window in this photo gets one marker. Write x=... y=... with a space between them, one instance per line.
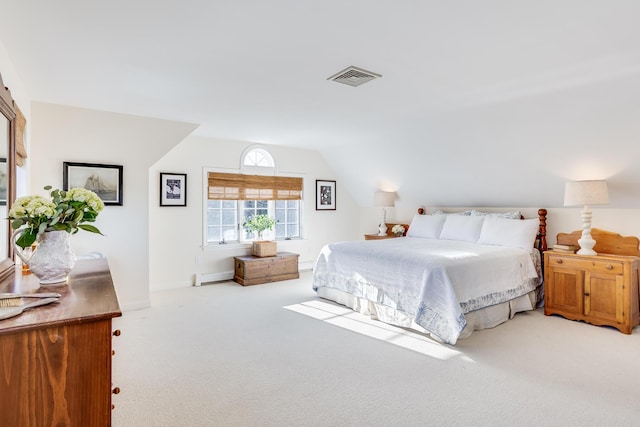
x=258 y=157
x=234 y=197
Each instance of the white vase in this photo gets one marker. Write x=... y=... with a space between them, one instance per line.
x=52 y=260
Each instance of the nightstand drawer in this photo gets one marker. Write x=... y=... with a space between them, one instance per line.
x=591 y=264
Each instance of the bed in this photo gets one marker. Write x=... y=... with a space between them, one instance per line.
x=449 y=275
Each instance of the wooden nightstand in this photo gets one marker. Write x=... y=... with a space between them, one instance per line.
x=389 y=234
x=601 y=290
x=376 y=237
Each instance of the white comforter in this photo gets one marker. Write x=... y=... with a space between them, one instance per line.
x=433 y=281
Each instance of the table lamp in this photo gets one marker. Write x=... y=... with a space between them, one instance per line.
x=586 y=193
x=384 y=199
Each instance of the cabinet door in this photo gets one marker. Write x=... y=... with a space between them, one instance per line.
x=604 y=297
x=566 y=293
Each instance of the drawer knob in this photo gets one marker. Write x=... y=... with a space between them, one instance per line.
x=609 y=267
x=586 y=294
x=116 y=333
x=113 y=352
x=116 y=390
x=559 y=261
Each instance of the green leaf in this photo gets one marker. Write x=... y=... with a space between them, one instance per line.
x=26 y=239
x=15 y=224
x=90 y=228
x=43 y=227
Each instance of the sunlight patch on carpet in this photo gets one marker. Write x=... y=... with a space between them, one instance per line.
x=356 y=322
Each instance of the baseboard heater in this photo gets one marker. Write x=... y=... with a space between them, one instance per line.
x=200 y=278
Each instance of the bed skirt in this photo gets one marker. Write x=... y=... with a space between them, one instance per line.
x=484 y=318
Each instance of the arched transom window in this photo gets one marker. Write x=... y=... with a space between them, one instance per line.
x=258 y=157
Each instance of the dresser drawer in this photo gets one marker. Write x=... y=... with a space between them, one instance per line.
x=591 y=264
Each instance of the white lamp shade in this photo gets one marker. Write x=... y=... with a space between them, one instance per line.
x=578 y=193
x=384 y=198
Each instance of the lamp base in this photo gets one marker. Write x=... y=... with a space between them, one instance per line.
x=382 y=230
x=585 y=241
x=586 y=246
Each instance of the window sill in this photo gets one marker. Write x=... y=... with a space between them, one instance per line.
x=240 y=245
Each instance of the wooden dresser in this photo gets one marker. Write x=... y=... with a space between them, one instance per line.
x=253 y=270
x=601 y=289
x=55 y=360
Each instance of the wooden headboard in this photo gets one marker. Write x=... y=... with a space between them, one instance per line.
x=541 y=238
x=607 y=242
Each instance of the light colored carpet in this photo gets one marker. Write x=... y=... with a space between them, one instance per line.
x=276 y=355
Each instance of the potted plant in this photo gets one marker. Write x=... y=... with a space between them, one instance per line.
x=398 y=230
x=258 y=224
x=50 y=222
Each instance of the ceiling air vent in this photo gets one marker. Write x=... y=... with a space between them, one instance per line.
x=353 y=76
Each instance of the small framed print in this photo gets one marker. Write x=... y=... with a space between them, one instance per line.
x=173 y=189
x=104 y=180
x=325 y=195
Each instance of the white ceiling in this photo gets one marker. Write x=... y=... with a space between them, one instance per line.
x=509 y=89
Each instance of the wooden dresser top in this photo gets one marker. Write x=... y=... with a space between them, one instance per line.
x=88 y=295
x=607 y=242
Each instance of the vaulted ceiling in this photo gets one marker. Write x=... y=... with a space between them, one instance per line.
x=480 y=102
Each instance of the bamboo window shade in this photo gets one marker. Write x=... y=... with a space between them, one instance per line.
x=21 y=151
x=235 y=186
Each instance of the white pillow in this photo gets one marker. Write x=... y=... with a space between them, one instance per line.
x=508 y=215
x=462 y=227
x=440 y=212
x=426 y=226
x=509 y=232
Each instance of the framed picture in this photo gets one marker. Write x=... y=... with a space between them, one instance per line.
x=325 y=195
x=173 y=189
x=3 y=181
x=104 y=180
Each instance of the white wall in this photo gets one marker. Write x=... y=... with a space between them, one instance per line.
x=61 y=133
x=176 y=232
x=512 y=152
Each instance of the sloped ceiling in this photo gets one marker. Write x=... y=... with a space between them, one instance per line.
x=483 y=103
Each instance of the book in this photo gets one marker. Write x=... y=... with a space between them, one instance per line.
x=565 y=247
x=566 y=251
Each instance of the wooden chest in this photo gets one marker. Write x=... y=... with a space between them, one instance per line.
x=253 y=270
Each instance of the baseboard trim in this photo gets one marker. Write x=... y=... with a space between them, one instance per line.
x=136 y=305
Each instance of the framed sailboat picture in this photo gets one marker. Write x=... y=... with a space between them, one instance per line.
x=104 y=180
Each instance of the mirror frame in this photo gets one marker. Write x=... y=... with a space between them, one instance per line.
x=7 y=108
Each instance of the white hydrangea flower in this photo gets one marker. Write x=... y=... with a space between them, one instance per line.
x=32 y=206
x=86 y=196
